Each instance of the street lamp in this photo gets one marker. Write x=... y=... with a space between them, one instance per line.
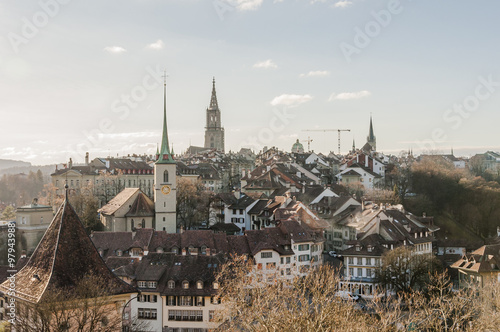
x=127 y=328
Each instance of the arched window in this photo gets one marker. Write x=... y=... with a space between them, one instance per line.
x=165 y=176
x=203 y=249
x=171 y=284
x=185 y=284
x=199 y=284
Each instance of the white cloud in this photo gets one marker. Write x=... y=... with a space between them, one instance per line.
x=316 y=73
x=265 y=64
x=157 y=46
x=342 y=4
x=349 y=95
x=245 y=4
x=115 y=49
x=290 y=100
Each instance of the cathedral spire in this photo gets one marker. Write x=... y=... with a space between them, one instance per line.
x=213 y=99
x=371 y=136
x=371 y=139
x=165 y=157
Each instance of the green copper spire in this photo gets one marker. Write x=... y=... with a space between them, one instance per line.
x=165 y=157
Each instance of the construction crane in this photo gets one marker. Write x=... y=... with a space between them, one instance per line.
x=308 y=140
x=324 y=130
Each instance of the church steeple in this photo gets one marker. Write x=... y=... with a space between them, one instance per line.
x=371 y=139
x=214 y=132
x=165 y=157
x=213 y=99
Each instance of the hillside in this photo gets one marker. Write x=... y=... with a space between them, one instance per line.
x=7 y=163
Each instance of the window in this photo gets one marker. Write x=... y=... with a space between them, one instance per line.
x=152 y=284
x=199 y=284
x=234 y=211
x=203 y=250
x=200 y=301
x=304 y=258
x=241 y=211
x=288 y=260
x=141 y=284
x=175 y=250
x=360 y=272
x=351 y=271
x=211 y=315
x=216 y=285
x=165 y=176
x=270 y=266
x=267 y=254
x=185 y=284
x=303 y=247
x=171 y=284
x=351 y=260
x=368 y=261
x=171 y=300
x=369 y=273
x=359 y=261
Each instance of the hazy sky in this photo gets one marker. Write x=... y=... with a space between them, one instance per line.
x=80 y=76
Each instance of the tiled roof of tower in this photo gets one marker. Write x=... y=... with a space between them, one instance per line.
x=63 y=257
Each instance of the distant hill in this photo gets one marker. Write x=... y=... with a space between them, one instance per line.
x=6 y=163
x=45 y=169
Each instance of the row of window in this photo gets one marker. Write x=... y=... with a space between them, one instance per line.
x=146 y=313
x=185 y=284
x=189 y=301
x=235 y=210
x=186 y=315
x=368 y=261
x=359 y=273
x=147 y=298
x=108 y=182
x=147 y=284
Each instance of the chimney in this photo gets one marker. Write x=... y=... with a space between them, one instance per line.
x=86 y=159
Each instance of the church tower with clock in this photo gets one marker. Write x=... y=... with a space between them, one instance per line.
x=165 y=183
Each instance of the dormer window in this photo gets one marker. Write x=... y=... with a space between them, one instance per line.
x=358 y=247
x=175 y=250
x=119 y=253
x=159 y=250
x=171 y=284
x=185 y=284
x=199 y=284
x=203 y=250
x=370 y=248
x=101 y=252
x=152 y=284
x=215 y=285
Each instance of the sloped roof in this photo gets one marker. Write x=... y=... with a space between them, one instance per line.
x=118 y=201
x=143 y=206
x=63 y=257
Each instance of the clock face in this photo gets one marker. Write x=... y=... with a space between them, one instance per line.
x=165 y=190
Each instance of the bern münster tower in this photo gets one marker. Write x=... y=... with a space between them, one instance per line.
x=214 y=132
